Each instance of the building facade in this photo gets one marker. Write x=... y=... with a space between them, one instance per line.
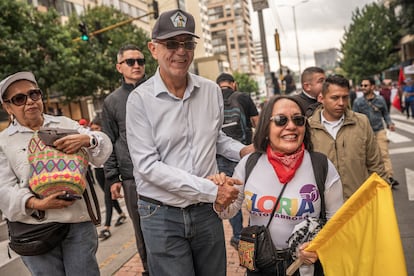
x=230 y=27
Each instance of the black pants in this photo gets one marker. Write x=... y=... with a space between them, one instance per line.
x=131 y=200
x=109 y=202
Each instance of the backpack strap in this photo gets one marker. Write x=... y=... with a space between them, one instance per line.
x=250 y=163
x=95 y=218
x=320 y=170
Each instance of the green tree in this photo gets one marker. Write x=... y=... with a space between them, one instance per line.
x=369 y=42
x=93 y=69
x=33 y=41
x=38 y=42
x=245 y=83
x=406 y=15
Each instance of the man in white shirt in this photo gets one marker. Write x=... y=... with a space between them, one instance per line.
x=173 y=123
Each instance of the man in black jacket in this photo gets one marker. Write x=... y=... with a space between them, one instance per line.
x=118 y=168
x=312 y=80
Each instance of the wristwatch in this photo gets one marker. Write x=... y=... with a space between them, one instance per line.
x=93 y=142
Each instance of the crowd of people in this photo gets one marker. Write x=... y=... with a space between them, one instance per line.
x=181 y=167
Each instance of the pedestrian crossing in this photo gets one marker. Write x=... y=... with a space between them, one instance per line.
x=401 y=123
x=406 y=125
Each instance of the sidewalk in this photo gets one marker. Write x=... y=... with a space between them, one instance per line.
x=133 y=267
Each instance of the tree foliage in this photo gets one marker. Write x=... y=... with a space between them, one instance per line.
x=38 y=42
x=245 y=83
x=94 y=69
x=32 y=41
x=368 y=45
x=406 y=15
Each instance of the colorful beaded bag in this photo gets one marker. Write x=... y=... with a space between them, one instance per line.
x=52 y=170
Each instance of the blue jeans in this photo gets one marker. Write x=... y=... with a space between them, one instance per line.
x=236 y=222
x=183 y=241
x=74 y=256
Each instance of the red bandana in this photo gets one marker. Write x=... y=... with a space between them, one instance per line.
x=285 y=165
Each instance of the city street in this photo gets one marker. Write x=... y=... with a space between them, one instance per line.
x=117 y=255
x=402 y=151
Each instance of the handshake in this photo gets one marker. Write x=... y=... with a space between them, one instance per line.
x=226 y=193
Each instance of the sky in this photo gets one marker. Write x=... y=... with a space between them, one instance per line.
x=320 y=25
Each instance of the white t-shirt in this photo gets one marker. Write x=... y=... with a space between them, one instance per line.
x=300 y=199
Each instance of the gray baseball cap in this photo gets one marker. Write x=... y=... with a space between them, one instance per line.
x=5 y=83
x=173 y=23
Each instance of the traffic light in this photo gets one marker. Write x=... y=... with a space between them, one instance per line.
x=155 y=8
x=84 y=31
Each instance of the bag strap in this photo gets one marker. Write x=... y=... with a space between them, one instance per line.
x=250 y=163
x=277 y=203
x=320 y=170
x=95 y=219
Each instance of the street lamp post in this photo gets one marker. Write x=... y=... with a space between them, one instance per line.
x=296 y=36
x=296 y=29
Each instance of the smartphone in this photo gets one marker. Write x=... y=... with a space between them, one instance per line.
x=69 y=197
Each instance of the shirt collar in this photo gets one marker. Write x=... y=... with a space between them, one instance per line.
x=333 y=123
x=160 y=88
x=308 y=95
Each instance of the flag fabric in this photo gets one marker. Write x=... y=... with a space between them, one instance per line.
x=401 y=77
x=396 y=102
x=362 y=238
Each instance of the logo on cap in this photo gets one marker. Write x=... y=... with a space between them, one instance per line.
x=179 y=20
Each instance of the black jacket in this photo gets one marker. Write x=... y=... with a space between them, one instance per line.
x=118 y=167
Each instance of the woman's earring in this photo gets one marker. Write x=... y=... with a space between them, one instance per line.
x=12 y=120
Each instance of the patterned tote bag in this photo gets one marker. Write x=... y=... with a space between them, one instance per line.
x=52 y=170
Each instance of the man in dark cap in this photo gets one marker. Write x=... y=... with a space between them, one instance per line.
x=173 y=123
x=240 y=115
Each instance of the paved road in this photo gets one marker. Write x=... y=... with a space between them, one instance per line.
x=402 y=152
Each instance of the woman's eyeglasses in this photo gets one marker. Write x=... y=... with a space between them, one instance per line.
x=282 y=120
x=174 y=44
x=21 y=99
x=131 y=61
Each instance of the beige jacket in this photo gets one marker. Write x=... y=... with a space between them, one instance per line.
x=354 y=152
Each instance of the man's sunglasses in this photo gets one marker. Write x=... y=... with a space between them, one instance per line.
x=131 y=61
x=21 y=99
x=174 y=44
x=282 y=120
x=364 y=85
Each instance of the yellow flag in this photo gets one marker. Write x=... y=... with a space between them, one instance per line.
x=362 y=238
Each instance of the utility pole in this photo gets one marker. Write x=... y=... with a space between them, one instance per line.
x=259 y=6
x=297 y=40
x=277 y=46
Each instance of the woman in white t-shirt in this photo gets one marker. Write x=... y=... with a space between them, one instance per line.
x=283 y=138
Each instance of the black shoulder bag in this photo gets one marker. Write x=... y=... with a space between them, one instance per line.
x=256 y=249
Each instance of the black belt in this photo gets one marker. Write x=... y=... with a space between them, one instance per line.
x=283 y=254
x=157 y=202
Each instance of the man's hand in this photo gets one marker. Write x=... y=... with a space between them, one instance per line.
x=246 y=150
x=116 y=190
x=226 y=194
